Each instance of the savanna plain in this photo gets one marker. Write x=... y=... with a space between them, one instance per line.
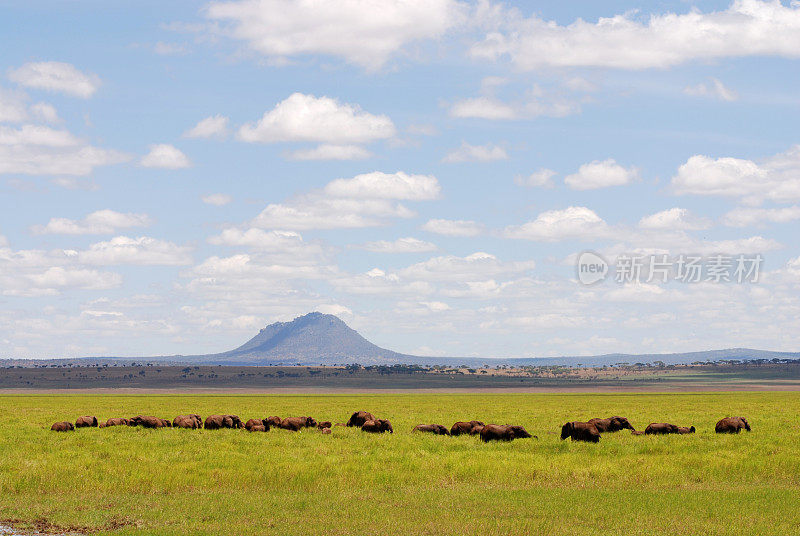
x=123 y=480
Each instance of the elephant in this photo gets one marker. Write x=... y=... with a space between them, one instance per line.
x=191 y=421
x=116 y=421
x=295 y=424
x=580 y=431
x=166 y=423
x=497 y=432
x=358 y=418
x=437 y=429
x=274 y=421
x=686 y=429
x=660 y=428
x=86 y=422
x=520 y=432
x=612 y=424
x=324 y=424
x=732 y=425
x=257 y=425
x=637 y=432
x=311 y=422
x=62 y=426
x=377 y=426
x=147 y=421
x=215 y=422
x=465 y=427
x=325 y=430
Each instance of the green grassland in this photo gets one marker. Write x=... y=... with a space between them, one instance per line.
x=135 y=481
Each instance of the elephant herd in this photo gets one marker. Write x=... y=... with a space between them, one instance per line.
x=577 y=431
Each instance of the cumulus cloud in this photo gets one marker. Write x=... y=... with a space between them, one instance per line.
x=714 y=88
x=572 y=223
x=542 y=178
x=536 y=102
x=453 y=227
x=142 y=251
x=45 y=112
x=303 y=118
x=756 y=217
x=476 y=153
x=215 y=126
x=745 y=28
x=601 y=174
x=328 y=151
x=217 y=200
x=365 y=200
x=364 y=33
x=12 y=106
x=99 y=222
x=41 y=150
x=775 y=178
x=401 y=245
x=483 y=108
x=478 y=266
x=56 y=76
x=674 y=219
x=165 y=156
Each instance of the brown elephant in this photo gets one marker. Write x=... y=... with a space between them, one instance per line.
x=256 y=425
x=86 y=422
x=325 y=430
x=437 y=429
x=274 y=421
x=324 y=424
x=686 y=429
x=191 y=421
x=520 y=432
x=62 y=426
x=637 y=432
x=358 y=418
x=732 y=425
x=660 y=428
x=497 y=432
x=465 y=427
x=295 y=424
x=377 y=426
x=116 y=421
x=216 y=422
x=147 y=421
x=580 y=431
x=612 y=424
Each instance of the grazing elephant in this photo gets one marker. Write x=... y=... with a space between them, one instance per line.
x=660 y=428
x=437 y=429
x=732 y=425
x=520 y=432
x=295 y=424
x=462 y=427
x=274 y=421
x=191 y=421
x=637 y=432
x=324 y=424
x=147 y=421
x=377 y=426
x=256 y=425
x=86 y=422
x=62 y=426
x=360 y=417
x=580 y=431
x=497 y=432
x=612 y=424
x=325 y=430
x=686 y=429
x=311 y=422
x=215 y=422
x=117 y=421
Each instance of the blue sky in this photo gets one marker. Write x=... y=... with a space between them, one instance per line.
x=174 y=177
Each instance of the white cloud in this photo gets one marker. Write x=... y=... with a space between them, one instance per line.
x=56 y=76
x=41 y=150
x=776 y=178
x=142 y=251
x=537 y=102
x=363 y=33
x=169 y=49
x=475 y=267
x=401 y=245
x=476 y=153
x=55 y=279
x=542 y=178
x=215 y=126
x=453 y=227
x=302 y=118
x=99 y=222
x=217 y=199
x=327 y=151
x=714 y=88
x=12 y=106
x=572 y=223
x=673 y=219
x=45 y=112
x=483 y=108
x=165 y=156
x=746 y=28
x=601 y=174
x=379 y=185
x=753 y=217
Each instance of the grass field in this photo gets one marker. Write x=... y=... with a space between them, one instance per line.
x=134 y=481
